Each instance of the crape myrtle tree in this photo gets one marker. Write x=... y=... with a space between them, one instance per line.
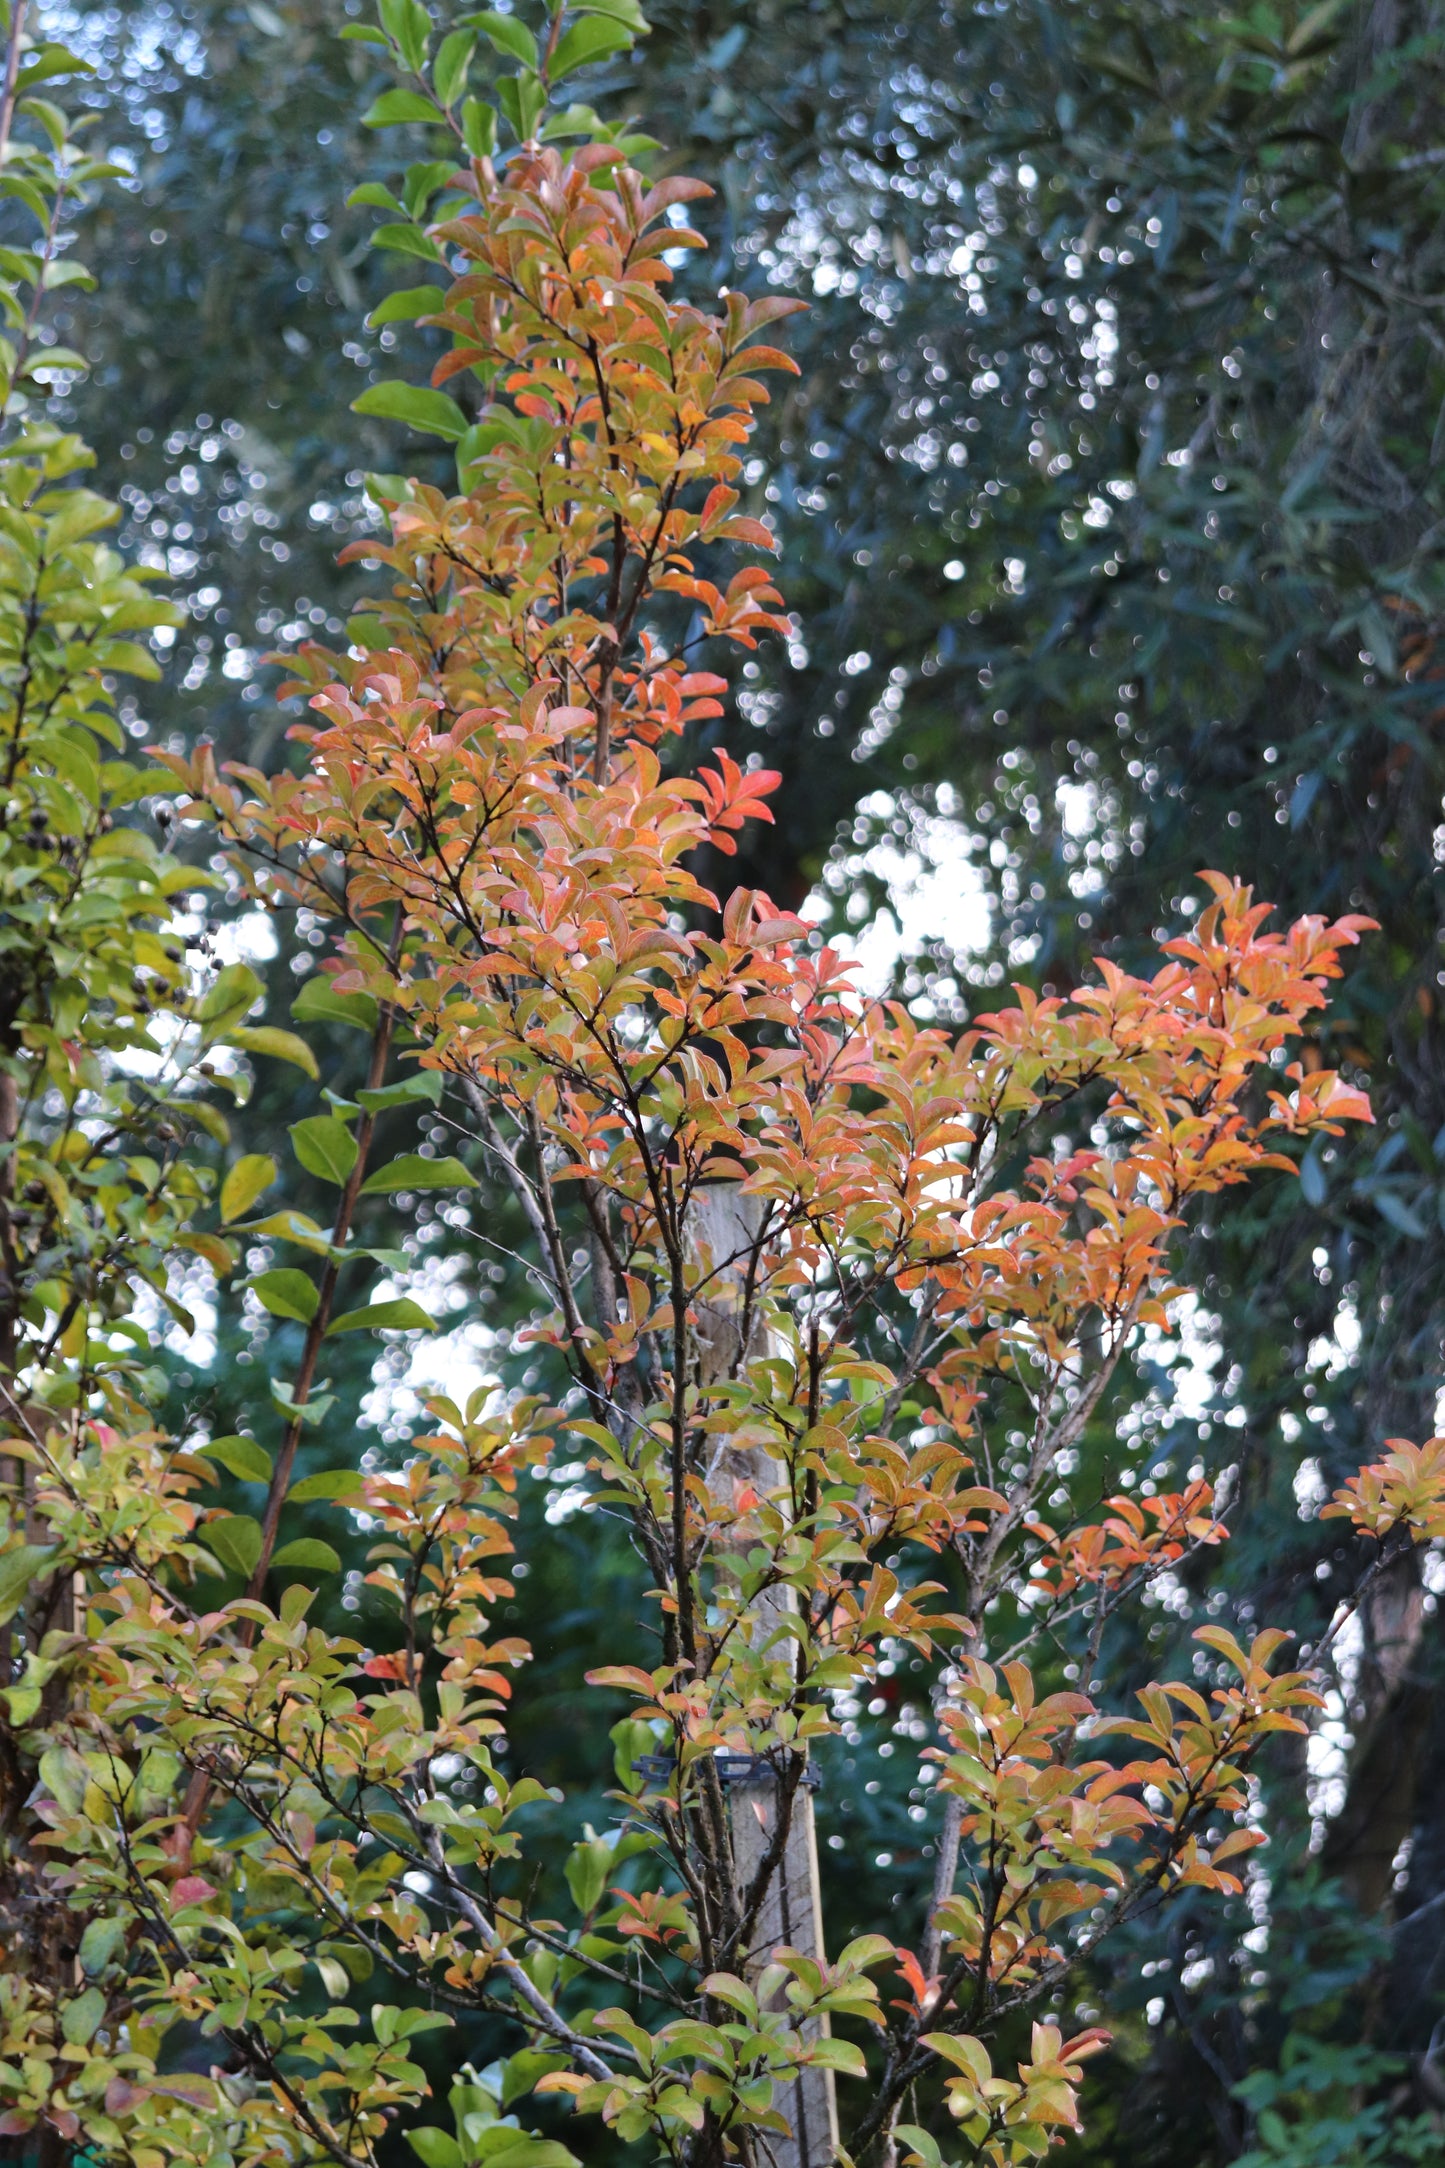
x=114 y=1046
x=826 y=1298
x=1120 y=384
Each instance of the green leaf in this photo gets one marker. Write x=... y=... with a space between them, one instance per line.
x=48 y=62
x=1399 y=1214
x=631 y=1739
x=319 y=1003
x=310 y=1554
x=330 y=1483
x=334 y=1977
x=842 y=2055
x=397 y=108
x=102 y=1940
x=286 y=1293
x=507 y=34
x=81 y=2017
x=523 y=98
x=479 y=127
x=484 y=437
x=385 y=489
x=287 y=1226
x=573 y=120
x=50 y=117
x=18 y=1568
x=81 y=513
x=435 y=2148
x=379 y=198
x=26 y=192
x=325 y=1147
x=621 y=11
x=865 y=1951
x=65 y=1776
x=502 y=2147
x=130 y=659
x=233 y=989
x=402 y=1315
x=312 y=1412
x=430 y=412
x=280 y=1045
x=404 y=307
x=235 y=1539
x=422 y=181
x=245 y=1183
x=411 y=1171
x=591 y=39
x=423 y=1084
x=449 y=70
x=521 y=2071
x=408 y=240
x=634 y=145
x=588 y=1866
x=409 y=25
x=67 y=274
x=23 y=1701
x=52 y=357
x=241 y=1457
x=917 y=2141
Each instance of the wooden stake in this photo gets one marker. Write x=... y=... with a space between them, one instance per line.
x=724 y=1227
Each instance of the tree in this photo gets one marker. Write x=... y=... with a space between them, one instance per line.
x=835 y=1295
x=1275 y=185
x=829 y=1297
x=110 y=1039
x=1123 y=391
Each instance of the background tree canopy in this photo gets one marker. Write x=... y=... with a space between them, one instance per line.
x=1110 y=499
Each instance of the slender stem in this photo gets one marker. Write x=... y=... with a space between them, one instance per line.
x=553 y=34
x=316 y=1330
x=200 y=1786
x=1050 y=1443
x=12 y=71
x=544 y=2015
x=945 y=1874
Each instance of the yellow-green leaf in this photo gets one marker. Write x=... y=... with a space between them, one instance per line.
x=245 y=1183
x=281 y=1045
x=18 y=1568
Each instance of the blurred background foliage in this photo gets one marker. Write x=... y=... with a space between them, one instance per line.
x=1110 y=505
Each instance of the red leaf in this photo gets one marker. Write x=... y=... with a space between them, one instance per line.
x=192 y=1889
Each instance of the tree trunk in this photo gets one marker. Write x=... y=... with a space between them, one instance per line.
x=1394 y=1702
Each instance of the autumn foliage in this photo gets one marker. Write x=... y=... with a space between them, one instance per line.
x=831 y=1296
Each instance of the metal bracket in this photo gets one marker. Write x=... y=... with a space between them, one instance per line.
x=747 y=1769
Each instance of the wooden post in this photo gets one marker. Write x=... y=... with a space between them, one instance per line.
x=724 y=1227
x=791 y=1913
